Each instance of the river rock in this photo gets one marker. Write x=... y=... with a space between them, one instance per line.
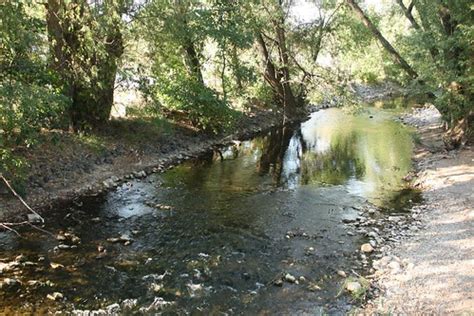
x=373 y=234
x=394 y=266
x=367 y=248
x=348 y=220
x=9 y=283
x=290 y=278
x=5 y=266
x=56 y=265
x=278 y=282
x=113 y=308
x=60 y=237
x=158 y=304
x=353 y=286
x=129 y=303
x=55 y=296
x=34 y=218
x=341 y=274
x=314 y=287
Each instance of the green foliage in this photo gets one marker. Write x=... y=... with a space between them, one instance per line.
x=29 y=100
x=201 y=104
x=361 y=293
x=177 y=36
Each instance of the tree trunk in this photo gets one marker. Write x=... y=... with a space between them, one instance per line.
x=235 y=68
x=290 y=102
x=425 y=29
x=278 y=79
x=408 y=14
x=192 y=61
x=91 y=97
x=270 y=73
x=386 y=44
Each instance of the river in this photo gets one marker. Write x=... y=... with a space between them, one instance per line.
x=217 y=235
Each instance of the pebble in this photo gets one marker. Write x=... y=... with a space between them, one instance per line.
x=367 y=248
x=9 y=282
x=56 y=265
x=314 y=287
x=394 y=265
x=341 y=274
x=353 y=286
x=55 y=296
x=113 y=308
x=34 y=218
x=373 y=234
x=278 y=282
x=129 y=303
x=290 y=278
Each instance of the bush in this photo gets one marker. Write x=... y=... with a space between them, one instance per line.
x=24 y=110
x=201 y=104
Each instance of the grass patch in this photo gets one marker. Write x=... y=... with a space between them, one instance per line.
x=357 y=292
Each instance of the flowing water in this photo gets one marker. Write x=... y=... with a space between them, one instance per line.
x=214 y=235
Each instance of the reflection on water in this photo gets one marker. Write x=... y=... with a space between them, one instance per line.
x=368 y=154
x=212 y=234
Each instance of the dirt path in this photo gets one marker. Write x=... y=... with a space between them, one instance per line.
x=437 y=270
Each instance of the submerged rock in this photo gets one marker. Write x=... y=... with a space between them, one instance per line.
x=157 y=305
x=55 y=296
x=9 y=283
x=314 y=287
x=342 y=274
x=129 y=303
x=113 y=308
x=278 y=282
x=34 y=218
x=290 y=278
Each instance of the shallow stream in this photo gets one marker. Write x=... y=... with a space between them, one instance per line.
x=218 y=234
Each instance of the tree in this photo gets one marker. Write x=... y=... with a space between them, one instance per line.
x=386 y=44
x=86 y=44
x=277 y=72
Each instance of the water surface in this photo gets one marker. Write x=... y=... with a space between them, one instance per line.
x=212 y=235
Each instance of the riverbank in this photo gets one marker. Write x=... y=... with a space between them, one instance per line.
x=65 y=166
x=431 y=270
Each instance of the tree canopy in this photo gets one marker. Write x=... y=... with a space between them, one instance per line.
x=62 y=60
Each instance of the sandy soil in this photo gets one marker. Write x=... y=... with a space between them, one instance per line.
x=437 y=275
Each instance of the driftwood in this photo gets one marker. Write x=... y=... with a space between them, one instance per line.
x=8 y=226
x=20 y=198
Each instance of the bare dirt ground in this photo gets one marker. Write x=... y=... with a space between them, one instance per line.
x=437 y=270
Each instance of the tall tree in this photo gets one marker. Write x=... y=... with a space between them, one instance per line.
x=86 y=44
x=277 y=72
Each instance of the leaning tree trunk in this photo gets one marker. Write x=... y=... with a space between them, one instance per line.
x=408 y=12
x=386 y=44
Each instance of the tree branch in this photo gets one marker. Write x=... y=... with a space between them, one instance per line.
x=20 y=198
